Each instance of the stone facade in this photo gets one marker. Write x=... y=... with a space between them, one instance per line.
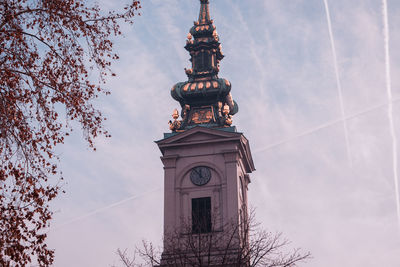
x=227 y=155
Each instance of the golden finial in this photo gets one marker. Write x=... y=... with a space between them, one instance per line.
x=174 y=125
x=175 y=114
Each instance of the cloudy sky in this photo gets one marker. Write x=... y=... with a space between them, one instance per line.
x=334 y=200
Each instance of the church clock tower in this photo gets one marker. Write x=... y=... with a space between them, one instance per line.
x=206 y=161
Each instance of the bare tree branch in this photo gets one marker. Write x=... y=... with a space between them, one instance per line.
x=46 y=53
x=243 y=244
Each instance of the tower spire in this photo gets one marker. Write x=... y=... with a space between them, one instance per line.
x=205 y=98
x=204 y=16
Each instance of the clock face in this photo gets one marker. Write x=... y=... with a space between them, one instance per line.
x=200 y=175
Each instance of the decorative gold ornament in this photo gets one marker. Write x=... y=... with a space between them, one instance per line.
x=219 y=109
x=226 y=109
x=195 y=117
x=208 y=116
x=189 y=36
x=175 y=114
x=175 y=125
x=202 y=116
x=189 y=71
x=227 y=118
x=186 y=87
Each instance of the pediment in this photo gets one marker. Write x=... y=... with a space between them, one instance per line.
x=198 y=134
x=202 y=135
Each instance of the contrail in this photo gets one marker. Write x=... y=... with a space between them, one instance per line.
x=89 y=214
x=339 y=85
x=322 y=126
x=390 y=107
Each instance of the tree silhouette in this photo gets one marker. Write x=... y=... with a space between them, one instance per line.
x=243 y=244
x=50 y=53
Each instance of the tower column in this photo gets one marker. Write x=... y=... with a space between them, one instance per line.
x=169 y=192
x=231 y=166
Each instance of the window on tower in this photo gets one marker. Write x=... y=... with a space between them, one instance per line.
x=201 y=215
x=202 y=61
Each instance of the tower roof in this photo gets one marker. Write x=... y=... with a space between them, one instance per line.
x=204 y=88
